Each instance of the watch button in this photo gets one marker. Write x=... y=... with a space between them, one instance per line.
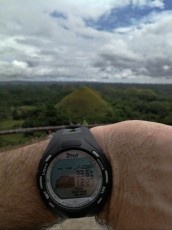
x=98 y=202
x=95 y=153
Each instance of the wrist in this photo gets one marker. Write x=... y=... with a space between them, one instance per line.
x=108 y=142
x=22 y=206
x=130 y=146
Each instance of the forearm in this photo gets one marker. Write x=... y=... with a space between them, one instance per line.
x=141 y=158
x=20 y=204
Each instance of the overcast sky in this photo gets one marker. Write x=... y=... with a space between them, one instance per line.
x=86 y=40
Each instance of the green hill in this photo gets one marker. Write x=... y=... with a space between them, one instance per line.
x=84 y=104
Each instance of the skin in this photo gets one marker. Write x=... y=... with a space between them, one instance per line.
x=20 y=204
x=140 y=154
x=141 y=158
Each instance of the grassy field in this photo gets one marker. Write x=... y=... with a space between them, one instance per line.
x=13 y=139
x=10 y=124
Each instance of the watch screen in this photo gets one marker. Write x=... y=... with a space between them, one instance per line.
x=74 y=174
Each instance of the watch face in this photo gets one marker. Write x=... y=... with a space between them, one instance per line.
x=74 y=179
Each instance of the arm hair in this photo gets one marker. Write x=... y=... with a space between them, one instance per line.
x=20 y=204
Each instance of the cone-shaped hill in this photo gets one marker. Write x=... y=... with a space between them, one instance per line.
x=84 y=104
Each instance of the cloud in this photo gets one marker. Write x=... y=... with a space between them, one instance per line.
x=19 y=64
x=144 y=50
x=50 y=40
x=148 y=3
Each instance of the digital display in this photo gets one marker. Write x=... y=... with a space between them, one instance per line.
x=75 y=175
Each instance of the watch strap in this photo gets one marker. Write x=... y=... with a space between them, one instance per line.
x=71 y=137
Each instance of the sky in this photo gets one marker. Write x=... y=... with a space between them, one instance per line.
x=126 y=41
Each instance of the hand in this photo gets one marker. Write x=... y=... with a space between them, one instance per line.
x=140 y=154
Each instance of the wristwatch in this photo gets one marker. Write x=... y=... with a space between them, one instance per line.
x=74 y=175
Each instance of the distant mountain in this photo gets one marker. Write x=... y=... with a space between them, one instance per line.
x=84 y=104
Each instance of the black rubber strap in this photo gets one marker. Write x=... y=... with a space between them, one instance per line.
x=71 y=137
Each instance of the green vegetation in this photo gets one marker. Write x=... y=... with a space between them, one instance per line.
x=9 y=140
x=84 y=104
x=50 y=104
x=10 y=124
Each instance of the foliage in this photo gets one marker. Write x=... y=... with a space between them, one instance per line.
x=13 y=139
x=142 y=94
x=50 y=104
x=84 y=104
x=10 y=124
